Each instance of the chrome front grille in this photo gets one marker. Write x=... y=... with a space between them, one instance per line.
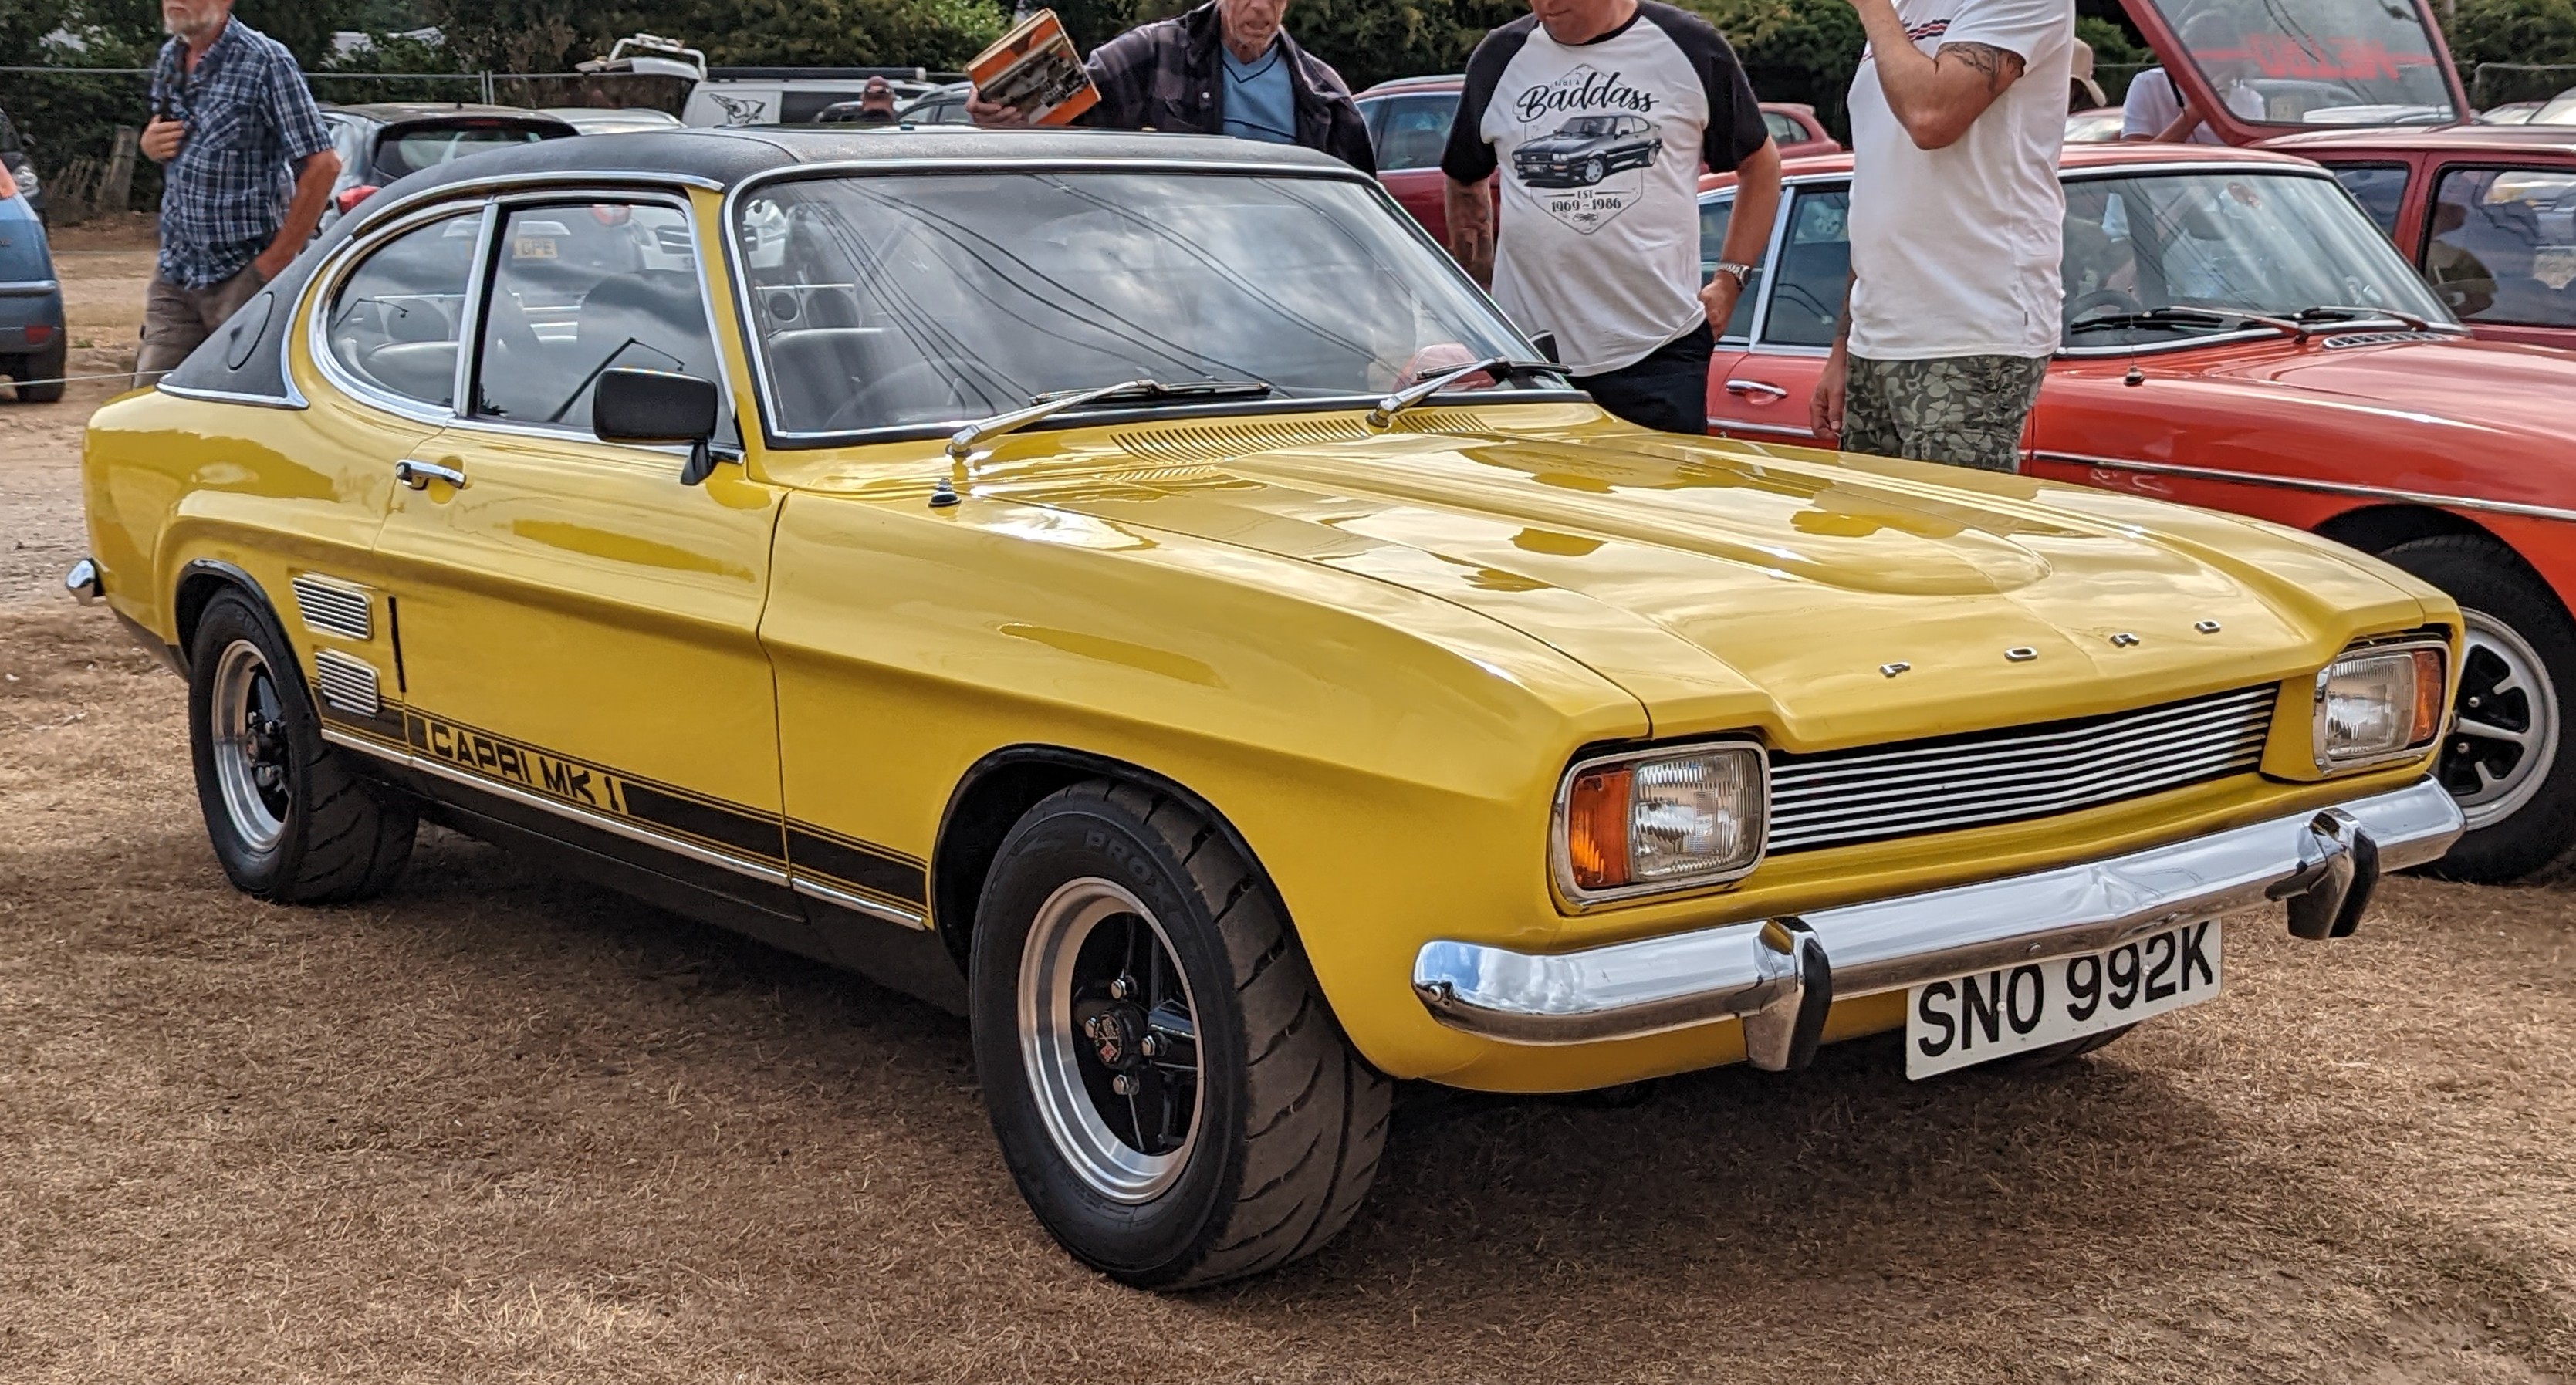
x=345 y=683
x=329 y=608
x=1872 y=793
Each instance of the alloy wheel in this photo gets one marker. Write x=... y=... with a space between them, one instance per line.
x=2505 y=736
x=1109 y=1035
x=250 y=746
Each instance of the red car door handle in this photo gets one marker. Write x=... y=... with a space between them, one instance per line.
x=1763 y=389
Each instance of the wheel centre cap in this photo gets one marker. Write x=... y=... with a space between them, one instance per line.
x=1113 y=1037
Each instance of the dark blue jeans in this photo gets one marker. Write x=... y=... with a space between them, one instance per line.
x=1667 y=391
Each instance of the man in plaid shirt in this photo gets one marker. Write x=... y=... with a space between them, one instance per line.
x=248 y=169
x=1225 y=68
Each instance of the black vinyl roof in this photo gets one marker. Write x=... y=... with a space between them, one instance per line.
x=242 y=362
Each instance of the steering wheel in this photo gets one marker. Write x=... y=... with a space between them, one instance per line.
x=912 y=384
x=2103 y=298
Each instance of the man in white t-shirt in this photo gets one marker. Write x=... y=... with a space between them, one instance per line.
x=1958 y=113
x=1597 y=116
x=2155 y=111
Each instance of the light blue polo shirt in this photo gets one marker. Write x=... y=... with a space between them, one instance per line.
x=1259 y=103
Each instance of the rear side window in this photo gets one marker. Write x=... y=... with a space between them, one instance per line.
x=2379 y=188
x=392 y=324
x=578 y=289
x=1784 y=130
x=409 y=151
x=2503 y=245
x=1815 y=266
x=1412 y=131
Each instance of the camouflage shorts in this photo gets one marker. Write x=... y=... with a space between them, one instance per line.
x=1964 y=410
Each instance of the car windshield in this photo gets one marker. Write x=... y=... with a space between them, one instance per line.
x=2315 y=62
x=917 y=299
x=2223 y=243
x=1590 y=125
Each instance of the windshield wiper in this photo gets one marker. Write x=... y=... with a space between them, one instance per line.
x=2347 y=312
x=1384 y=414
x=2186 y=317
x=963 y=442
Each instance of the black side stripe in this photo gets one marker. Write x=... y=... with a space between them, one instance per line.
x=852 y=862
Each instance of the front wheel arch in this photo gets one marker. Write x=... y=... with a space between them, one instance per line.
x=997 y=791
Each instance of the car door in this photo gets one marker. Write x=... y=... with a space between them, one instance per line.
x=1762 y=394
x=579 y=628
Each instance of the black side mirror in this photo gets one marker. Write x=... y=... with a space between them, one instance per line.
x=658 y=406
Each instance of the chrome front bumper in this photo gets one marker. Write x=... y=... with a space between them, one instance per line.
x=1779 y=975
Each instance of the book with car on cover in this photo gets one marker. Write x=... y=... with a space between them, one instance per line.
x=1035 y=68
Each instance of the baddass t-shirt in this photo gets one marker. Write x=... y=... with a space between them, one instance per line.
x=1599 y=145
x=1957 y=248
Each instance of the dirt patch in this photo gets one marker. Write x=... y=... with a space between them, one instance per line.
x=498 y=1125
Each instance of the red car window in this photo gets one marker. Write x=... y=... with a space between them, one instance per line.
x=2503 y=245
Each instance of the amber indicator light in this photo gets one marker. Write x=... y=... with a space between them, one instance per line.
x=2428 y=695
x=1596 y=828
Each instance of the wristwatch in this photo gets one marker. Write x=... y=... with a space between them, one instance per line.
x=1743 y=273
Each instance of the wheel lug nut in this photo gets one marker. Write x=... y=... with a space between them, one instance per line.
x=1122 y=988
x=1149 y=1046
x=1123 y=1084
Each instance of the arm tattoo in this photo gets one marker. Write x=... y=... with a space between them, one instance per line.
x=2001 y=68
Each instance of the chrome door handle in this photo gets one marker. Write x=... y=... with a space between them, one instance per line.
x=1764 y=388
x=418 y=475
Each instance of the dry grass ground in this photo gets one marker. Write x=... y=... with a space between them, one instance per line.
x=499 y=1127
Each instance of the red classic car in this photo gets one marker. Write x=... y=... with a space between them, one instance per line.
x=2487 y=213
x=2238 y=335
x=1408 y=123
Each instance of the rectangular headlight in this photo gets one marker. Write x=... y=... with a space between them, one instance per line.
x=1661 y=820
x=2381 y=703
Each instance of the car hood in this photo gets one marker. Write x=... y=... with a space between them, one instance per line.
x=1726 y=584
x=1559 y=144
x=2447 y=418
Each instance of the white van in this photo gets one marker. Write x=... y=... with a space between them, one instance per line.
x=758 y=95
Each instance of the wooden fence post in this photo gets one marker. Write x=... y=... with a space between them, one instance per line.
x=116 y=193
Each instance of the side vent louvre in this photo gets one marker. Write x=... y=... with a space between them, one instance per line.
x=347 y=684
x=334 y=608
x=1216 y=442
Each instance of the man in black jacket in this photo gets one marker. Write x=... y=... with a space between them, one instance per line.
x=1226 y=67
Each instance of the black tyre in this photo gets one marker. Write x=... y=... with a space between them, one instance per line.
x=289 y=820
x=2510 y=760
x=1171 y=1092
x=42 y=365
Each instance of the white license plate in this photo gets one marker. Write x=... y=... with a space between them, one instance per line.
x=1994 y=1014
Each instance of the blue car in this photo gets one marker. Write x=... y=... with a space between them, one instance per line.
x=32 y=344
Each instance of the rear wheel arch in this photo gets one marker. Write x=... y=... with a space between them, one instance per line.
x=201 y=580
x=1000 y=789
x=2374 y=529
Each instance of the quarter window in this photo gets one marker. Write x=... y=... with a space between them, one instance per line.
x=1815 y=268
x=2503 y=245
x=1714 y=217
x=1412 y=131
x=580 y=288
x=393 y=322
x=2379 y=188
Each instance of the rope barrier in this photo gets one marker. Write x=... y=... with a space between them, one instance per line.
x=68 y=379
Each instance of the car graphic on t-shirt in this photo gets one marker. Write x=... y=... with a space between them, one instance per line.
x=1587 y=149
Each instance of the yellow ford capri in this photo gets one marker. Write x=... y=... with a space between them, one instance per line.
x=1135 y=591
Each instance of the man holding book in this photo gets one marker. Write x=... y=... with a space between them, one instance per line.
x=1227 y=67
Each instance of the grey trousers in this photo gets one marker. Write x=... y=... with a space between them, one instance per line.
x=178 y=320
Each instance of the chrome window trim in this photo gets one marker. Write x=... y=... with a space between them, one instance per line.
x=2501 y=507
x=1559 y=859
x=333 y=273
x=492 y=208
x=368 y=745
x=469 y=188
x=292 y=400
x=2333 y=769
x=765 y=388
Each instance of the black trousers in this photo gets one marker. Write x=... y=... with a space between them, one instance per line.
x=1667 y=391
